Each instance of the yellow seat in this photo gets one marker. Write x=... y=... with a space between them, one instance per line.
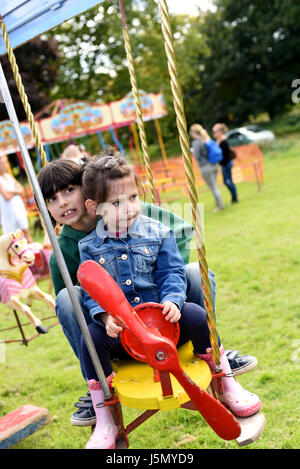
x=135 y=386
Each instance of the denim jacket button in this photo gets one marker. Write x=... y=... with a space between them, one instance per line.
x=147 y=251
x=124 y=257
x=137 y=299
x=128 y=281
x=101 y=260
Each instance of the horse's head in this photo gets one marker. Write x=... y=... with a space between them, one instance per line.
x=18 y=248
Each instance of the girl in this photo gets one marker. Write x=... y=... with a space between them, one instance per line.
x=12 y=209
x=142 y=256
x=60 y=182
x=209 y=171
x=219 y=132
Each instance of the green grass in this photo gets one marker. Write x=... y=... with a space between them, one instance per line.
x=254 y=249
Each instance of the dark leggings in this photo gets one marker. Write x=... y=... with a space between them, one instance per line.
x=193 y=326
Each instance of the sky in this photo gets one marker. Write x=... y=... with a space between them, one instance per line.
x=188 y=6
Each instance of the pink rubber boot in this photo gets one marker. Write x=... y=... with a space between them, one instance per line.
x=242 y=403
x=106 y=430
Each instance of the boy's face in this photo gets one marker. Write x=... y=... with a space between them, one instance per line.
x=67 y=208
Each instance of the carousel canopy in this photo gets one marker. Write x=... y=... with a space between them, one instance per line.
x=73 y=120
x=26 y=19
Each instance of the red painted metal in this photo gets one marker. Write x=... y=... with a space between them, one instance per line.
x=140 y=419
x=21 y=423
x=166 y=384
x=152 y=317
x=161 y=353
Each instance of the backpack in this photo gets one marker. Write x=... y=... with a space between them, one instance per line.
x=215 y=154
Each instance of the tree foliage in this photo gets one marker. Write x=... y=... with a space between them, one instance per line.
x=233 y=63
x=253 y=59
x=94 y=65
x=38 y=63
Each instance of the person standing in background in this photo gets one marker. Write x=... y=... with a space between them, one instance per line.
x=208 y=171
x=72 y=152
x=219 y=132
x=12 y=208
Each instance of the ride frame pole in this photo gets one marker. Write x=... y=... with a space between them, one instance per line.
x=6 y=98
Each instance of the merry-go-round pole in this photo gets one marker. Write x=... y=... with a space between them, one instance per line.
x=5 y=97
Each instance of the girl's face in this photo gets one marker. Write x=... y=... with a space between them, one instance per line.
x=194 y=134
x=217 y=132
x=122 y=206
x=67 y=208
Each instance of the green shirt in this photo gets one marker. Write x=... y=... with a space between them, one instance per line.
x=69 y=237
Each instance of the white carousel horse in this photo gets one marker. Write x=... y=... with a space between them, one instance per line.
x=16 y=279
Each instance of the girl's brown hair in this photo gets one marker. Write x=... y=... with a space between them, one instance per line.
x=98 y=171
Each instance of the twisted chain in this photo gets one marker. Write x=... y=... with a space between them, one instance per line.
x=21 y=89
x=138 y=107
x=190 y=177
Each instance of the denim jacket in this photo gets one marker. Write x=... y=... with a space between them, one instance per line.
x=145 y=262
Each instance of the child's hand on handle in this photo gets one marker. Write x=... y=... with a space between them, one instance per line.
x=112 y=326
x=171 y=311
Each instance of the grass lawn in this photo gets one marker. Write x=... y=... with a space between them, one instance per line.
x=254 y=249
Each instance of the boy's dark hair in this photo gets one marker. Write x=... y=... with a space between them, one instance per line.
x=98 y=171
x=57 y=176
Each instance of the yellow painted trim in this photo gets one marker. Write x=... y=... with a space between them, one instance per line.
x=135 y=387
x=17 y=276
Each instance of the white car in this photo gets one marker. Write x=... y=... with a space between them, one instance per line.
x=249 y=134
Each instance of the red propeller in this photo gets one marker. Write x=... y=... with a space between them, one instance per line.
x=160 y=352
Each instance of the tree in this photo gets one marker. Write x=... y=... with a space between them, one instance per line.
x=252 y=61
x=94 y=65
x=38 y=63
